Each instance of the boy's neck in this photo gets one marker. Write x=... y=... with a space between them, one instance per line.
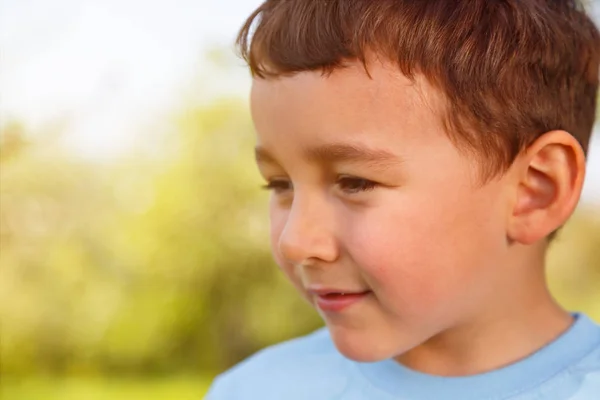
x=523 y=320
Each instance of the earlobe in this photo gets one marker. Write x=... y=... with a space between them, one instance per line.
x=549 y=181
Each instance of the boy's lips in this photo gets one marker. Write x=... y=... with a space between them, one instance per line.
x=335 y=300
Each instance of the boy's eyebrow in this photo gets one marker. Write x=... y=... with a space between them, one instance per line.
x=337 y=152
x=262 y=156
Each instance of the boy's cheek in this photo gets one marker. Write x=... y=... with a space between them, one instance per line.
x=416 y=263
x=405 y=286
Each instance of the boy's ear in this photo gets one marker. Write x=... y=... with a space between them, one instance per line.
x=549 y=178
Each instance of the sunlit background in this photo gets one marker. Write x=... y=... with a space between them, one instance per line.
x=133 y=238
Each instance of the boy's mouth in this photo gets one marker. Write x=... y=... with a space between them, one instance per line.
x=339 y=295
x=332 y=300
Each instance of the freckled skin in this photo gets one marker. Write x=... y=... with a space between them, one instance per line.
x=429 y=240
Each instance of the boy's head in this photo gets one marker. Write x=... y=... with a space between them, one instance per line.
x=420 y=154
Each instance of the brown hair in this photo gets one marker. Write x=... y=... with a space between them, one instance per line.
x=510 y=70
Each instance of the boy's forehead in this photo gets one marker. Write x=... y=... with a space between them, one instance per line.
x=348 y=101
x=349 y=89
x=350 y=80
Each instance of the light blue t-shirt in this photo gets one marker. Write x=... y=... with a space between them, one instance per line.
x=310 y=368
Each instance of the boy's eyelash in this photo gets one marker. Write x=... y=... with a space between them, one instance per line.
x=277 y=185
x=348 y=184
x=352 y=184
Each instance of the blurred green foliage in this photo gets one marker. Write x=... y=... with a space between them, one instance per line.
x=180 y=388
x=157 y=264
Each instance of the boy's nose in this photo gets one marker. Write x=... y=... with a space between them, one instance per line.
x=308 y=235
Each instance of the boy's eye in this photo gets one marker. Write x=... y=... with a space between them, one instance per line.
x=351 y=184
x=278 y=185
x=348 y=184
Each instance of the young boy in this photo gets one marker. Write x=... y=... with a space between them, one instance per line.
x=421 y=155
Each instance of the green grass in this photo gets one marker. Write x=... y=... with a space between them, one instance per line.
x=180 y=388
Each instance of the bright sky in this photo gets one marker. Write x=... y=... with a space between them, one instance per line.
x=113 y=66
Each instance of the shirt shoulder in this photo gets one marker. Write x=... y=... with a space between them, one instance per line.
x=294 y=369
x=580 y=381
x=587 y=374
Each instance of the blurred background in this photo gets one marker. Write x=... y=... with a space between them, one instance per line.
x=133 y=236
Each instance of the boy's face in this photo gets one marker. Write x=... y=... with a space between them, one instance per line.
x=371 y=198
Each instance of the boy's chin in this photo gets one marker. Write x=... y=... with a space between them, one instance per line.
x=364 y=345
